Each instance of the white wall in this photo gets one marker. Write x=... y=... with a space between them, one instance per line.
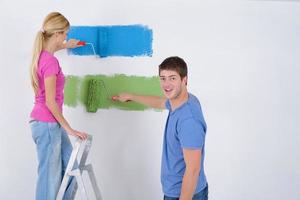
x=243 y=59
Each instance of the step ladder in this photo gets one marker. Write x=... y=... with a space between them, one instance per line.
x=75 y=170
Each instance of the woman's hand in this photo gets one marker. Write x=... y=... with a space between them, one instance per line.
x=72 y=43
x=78 y=134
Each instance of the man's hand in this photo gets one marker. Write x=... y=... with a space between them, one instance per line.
x=123 y=97
x=151 y=101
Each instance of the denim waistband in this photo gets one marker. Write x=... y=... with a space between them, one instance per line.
x=31 y=120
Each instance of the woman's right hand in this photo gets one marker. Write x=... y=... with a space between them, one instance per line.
x=78 y=134
x=72 y=43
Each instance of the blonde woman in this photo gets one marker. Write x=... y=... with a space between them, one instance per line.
x=48 y=125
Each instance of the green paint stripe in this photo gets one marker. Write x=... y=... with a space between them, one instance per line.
x=76 y=89
x=71 y=90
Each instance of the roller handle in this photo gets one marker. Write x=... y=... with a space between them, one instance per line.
x=82 y=43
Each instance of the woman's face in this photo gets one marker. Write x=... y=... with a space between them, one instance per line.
x=61 y=36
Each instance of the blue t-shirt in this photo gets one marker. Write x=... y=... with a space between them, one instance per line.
x=185 y=128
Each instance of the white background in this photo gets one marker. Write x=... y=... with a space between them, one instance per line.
x=243 y=59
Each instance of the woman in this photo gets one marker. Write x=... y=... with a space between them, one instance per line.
x=48 y=125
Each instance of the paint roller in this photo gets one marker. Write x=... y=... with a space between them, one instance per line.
x=101 y=41
x=83 y=43
x=93 y=94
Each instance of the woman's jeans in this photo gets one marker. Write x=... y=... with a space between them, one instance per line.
x=202 y=195
x=53 y=150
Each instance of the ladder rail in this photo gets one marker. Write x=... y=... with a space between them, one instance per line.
x=66 y=177
x=75 y=168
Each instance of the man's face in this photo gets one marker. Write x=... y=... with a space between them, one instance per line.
x=171 y=83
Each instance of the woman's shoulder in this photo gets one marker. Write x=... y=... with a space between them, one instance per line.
x=47 y=59
x=46 y=56
x=48 y=63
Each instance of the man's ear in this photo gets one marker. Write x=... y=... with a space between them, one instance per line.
x=184 y=79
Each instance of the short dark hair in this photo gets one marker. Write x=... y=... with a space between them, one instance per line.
x=174 y=63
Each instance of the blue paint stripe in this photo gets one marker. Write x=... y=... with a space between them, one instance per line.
x=129 y=40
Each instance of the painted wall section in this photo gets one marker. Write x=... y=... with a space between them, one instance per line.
x=76 y=90
x=127 y=40
x=71 y=90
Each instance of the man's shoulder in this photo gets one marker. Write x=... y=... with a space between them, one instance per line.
x=193 y=99
x=192 y=110
x=193 y=105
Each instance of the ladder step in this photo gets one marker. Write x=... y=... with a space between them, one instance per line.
x=77 y=172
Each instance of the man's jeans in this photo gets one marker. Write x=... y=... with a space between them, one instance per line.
x=203 y=195
x=53 y=150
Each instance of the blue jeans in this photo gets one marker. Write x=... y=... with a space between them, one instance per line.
x=202 y=195
x=53 y=150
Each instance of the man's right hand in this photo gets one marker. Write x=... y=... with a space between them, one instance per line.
x=123 y=97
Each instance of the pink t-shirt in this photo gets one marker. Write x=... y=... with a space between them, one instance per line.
x=48 y=66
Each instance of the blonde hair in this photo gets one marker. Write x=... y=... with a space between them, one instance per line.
x=53 y=23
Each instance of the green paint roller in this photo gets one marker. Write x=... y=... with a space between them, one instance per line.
x=93 y=95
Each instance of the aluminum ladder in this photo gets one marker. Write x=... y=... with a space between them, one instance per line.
x=75 y=170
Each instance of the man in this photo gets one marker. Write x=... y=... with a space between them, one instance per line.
x=182 y=172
